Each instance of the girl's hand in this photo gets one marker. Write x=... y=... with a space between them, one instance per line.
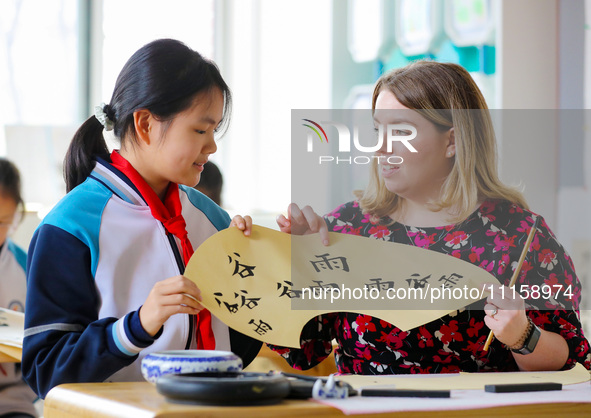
x=171 y=296
x=244 y=224
x=303 y=222
x=505 y=316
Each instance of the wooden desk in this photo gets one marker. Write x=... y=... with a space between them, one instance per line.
x=141 y=400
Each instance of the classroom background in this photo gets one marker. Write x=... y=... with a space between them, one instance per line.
x=60 y=58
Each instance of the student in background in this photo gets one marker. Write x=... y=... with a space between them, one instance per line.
x=16 y=398
x=211 y=182
x=447 y=197
x=105 y=266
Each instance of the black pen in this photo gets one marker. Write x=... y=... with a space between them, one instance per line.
x=523 y=387
x=301 y=376
x=405 y=393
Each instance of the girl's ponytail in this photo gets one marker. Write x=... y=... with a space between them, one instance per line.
x=87 y=144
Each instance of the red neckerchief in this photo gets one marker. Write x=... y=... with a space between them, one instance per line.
x=169 y=213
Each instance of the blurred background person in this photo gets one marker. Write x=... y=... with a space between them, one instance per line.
x=211 y=182
x=16 y=398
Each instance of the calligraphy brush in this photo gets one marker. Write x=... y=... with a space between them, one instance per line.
x=524 y=252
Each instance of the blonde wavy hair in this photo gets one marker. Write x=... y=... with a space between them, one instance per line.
x=446 y=95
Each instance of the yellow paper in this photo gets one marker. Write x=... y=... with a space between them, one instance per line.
x=263 y=285
x=578 y=374
x=10 y=354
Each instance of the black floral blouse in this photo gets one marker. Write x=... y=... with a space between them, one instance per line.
x=491 y=238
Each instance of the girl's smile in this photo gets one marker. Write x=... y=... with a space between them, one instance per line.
x=176 y=151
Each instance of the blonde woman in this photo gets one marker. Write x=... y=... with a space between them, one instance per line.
x=447 y=197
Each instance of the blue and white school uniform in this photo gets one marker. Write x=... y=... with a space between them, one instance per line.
x=15 y=394
x=92 y=263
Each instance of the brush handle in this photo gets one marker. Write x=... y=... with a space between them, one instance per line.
x=530 y=238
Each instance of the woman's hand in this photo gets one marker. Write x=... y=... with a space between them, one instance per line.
x=243 y=224
x=505 y=315
x=303 y=222
x=169 y=297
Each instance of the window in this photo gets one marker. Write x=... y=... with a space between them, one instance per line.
x=39 y=61
x=39 y=70
x=127 y=25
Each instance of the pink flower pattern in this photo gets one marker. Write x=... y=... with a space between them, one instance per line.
x=491 y=238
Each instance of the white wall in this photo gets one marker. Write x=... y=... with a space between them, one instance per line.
x=574 y=207
x=527 y=69
x=539 y=49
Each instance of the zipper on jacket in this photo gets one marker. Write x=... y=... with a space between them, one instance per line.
x=181 y=265
x=177 y=255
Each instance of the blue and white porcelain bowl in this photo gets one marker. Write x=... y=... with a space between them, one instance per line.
x=163 y=363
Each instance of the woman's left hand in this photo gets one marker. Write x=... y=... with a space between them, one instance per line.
x=302 y=222
x=505 y=315
x=242 y=223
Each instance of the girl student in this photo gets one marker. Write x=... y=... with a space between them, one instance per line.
x=16 y=398
x=447 y=197
x=105 y=266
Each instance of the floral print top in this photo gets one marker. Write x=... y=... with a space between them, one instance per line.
x=491 y=238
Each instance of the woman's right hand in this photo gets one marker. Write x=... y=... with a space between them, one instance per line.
x=303 y=222
x=169 y=297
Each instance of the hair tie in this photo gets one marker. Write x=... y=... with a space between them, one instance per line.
x=103 y=118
